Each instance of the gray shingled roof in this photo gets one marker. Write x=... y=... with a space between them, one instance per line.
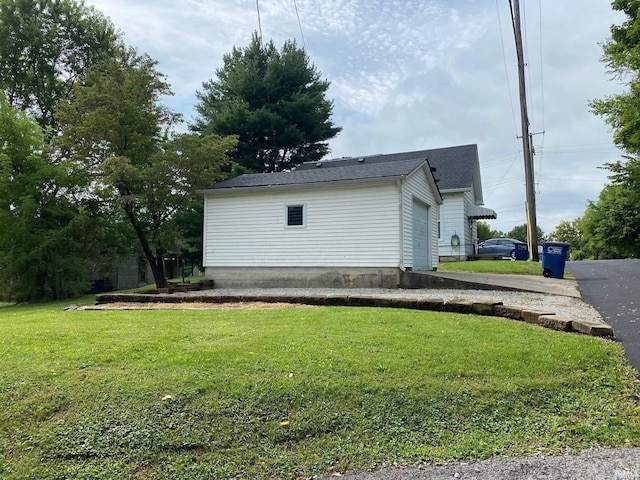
x=454 y=166
x=323 y=172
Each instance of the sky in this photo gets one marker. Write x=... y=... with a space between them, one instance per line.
x=419 y=74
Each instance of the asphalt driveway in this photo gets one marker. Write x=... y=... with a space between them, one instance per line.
x=613 y=288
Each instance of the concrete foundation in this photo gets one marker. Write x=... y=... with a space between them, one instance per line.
x=303 y=277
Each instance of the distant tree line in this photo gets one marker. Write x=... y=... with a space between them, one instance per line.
x=92 y=167
x=519 y=232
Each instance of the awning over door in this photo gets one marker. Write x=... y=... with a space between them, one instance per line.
x=476 y=212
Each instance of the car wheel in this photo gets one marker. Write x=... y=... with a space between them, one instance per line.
x=513 y=254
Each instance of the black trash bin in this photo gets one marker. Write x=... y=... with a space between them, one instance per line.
x=554 y=256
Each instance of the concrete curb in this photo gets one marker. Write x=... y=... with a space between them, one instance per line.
x=492 y=309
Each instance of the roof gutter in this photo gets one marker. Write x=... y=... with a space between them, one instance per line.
x=455 y=190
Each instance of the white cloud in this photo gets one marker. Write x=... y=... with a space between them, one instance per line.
x=416 y=74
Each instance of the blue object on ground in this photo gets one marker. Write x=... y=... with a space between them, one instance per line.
x=554 y=256
x=522 y=252
x=97 y=286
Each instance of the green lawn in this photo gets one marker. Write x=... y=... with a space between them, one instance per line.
x=493 y=266
x=294 y=392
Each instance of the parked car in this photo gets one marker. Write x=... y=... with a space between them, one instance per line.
x=498 y=248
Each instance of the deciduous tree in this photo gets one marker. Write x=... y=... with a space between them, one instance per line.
x=274 y=101
x=612 y=223
x=520 y=233
x=571 y=233
x=45 y=48
x=45 y=232
x=118 y=132
x=485 y=232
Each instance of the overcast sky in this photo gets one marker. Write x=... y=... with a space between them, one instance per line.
x=420 y=74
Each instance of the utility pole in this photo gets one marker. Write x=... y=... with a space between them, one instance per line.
x=527 y=149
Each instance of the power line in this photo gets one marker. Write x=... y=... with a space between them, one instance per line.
x=259 y=23
x=541 y=86
x=499 y=160
x=500 y=182
x=541 y=70
x=506 y=71
x=295 y=4
x=525 y=58
x=266 y=84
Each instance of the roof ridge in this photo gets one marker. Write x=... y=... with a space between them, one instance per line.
x=341 y=173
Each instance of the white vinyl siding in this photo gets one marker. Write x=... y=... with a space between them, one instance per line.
x=354 y=225
x=452 y=223
x=417 y=188
x=455 y=221
x=467 y=244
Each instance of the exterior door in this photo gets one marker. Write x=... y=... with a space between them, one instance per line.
x=421 y=257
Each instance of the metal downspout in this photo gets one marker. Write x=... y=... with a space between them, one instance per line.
x=401 y=217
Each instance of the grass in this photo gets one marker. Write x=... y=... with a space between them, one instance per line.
x=294 y=393
x=494 y=266
x=152 y=286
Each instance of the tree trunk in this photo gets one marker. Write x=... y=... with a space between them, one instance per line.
x=155 y=261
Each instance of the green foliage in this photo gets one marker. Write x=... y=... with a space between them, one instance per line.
x=116 y=112
x=573 y=234
x=115 y=129
x=273 y=101
x=45 y=48
x=622 y=113
x=113 y=159
x=612 y=223
x=189 y=222
x=485 y=232
x=520 y=233
x=622 y=50
x=622 y=56
x=568 y=232
x=44 y=235
x=294 y=393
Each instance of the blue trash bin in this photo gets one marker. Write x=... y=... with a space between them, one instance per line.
x=97 y=286
x=522 y=252
x=554 y=256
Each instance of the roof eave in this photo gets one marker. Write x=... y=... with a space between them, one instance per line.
x=239 y=190
x=455 y=190
x=433 y=183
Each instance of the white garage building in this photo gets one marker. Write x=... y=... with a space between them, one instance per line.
x=357 y=222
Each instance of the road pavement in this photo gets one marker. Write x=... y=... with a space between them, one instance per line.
x=613 y=288
x=594 y=464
